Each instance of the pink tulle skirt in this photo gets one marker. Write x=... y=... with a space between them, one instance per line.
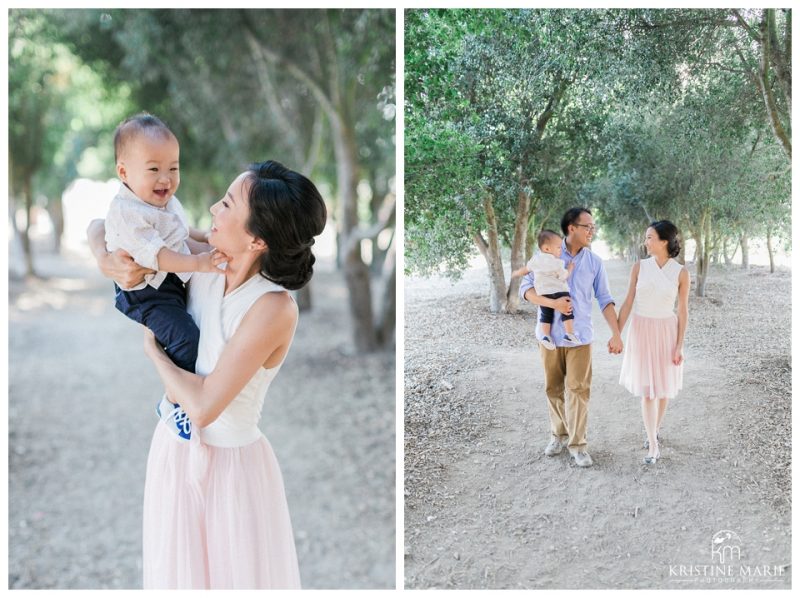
x=215 y=518
x=647 y=368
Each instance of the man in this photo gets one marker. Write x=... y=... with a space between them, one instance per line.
x=568 y=369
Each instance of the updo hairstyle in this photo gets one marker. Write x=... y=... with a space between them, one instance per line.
x=667 y=231
x=286 y=212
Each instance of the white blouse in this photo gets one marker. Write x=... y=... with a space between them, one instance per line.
x=656 y=288
x=218 y=316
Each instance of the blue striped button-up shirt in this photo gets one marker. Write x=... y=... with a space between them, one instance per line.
x=588 y=278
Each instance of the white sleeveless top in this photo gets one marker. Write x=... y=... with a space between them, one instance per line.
x=218 y=316
x=656 y=288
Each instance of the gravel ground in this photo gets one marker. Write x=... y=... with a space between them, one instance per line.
x=80 y=427
x=485 y=509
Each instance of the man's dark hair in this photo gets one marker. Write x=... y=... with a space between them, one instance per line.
x=571 y=217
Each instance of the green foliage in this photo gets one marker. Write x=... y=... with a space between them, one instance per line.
x=58 y=108
x=197 y=71
x=653 y=115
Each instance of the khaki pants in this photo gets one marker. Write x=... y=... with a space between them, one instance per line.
x=568 y=380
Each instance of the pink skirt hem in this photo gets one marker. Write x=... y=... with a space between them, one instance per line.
x=647 y=368
x=215 y=518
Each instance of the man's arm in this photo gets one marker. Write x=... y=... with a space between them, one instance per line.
x=606 y=302
x=529 y=294
x=615 y=342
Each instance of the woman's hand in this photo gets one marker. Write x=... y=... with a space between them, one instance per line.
x=151 y=347
x=677 y=355
x=120 y=266
x=615 y=344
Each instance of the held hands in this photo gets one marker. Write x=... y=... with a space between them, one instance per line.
x=615 y=345
x=210 y=261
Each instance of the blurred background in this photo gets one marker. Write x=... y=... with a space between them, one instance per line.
x=314 y=89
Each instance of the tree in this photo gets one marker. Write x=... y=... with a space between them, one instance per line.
x=317 y=97
x=523 y=93
x=57 y=109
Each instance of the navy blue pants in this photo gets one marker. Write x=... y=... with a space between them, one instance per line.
x=163 y=311
x=546 y=313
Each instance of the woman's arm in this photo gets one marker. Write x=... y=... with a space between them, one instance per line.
x=627 y=305
x=198 y=235
x=262 y=339
x=683 y=314
x=196 y=246
x=118 y=265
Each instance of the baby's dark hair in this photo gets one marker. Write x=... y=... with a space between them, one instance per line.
x=545 y=236
x=668 y=232
x=286 y=212
x=138 y=124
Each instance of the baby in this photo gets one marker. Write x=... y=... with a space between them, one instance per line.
x=550 y=280
x=147 y=220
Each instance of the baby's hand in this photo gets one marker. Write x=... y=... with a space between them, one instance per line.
x=210 y=260
x=570 y=267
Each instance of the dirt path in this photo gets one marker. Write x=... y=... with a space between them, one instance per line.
x=486 y=509
x=81 y=398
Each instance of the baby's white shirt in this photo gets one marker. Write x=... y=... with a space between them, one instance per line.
x=549 y=274
x=142 y=230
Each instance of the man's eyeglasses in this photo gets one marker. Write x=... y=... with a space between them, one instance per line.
x=590 y=227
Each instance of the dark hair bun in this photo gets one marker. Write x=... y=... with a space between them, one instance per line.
x=286 y=212
x=668 y=232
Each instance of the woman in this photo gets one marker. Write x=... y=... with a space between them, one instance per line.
x=215 y=513
x=652 y=366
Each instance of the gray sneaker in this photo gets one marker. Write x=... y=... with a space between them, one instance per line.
x=553 y=447
x=582 y=459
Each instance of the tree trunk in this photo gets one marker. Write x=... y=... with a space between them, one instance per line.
x=530 y=241
x=715 y=251
x=378 y=255
x=770 y=252
x=701 y=254
x=56 y=212
x=765 y=87
x=682 y=255
x=303 y=298
x=725 y=246
x=744 y=243
x=356 y=272
x=27 y=191
x=385 y=325
x=701 y=292
x=490 y=249
x=518 y=247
